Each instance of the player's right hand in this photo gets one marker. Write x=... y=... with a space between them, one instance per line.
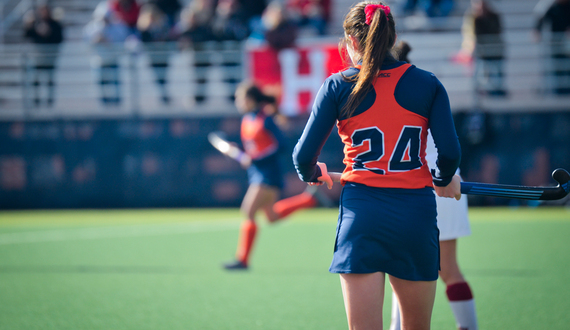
x=325 y=177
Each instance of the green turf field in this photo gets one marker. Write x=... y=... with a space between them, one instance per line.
x=160 y=269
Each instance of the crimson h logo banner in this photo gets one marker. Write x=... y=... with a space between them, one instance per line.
x=293 y=75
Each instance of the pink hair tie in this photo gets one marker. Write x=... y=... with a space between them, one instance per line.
x=369 y=10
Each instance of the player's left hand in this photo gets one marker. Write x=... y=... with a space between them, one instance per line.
x=452 y=190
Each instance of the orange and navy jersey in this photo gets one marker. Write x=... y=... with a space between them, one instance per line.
x=384 y=146
x=260 y=135
x=385 y=138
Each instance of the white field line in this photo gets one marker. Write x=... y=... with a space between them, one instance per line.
x=68 y=234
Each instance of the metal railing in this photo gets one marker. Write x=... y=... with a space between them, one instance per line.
x=75 y=80
x=150 y=80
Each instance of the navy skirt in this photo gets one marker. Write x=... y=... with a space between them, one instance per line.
x=266 y=171
x=387 y=230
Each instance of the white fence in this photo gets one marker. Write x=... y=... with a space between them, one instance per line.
x=213 y=71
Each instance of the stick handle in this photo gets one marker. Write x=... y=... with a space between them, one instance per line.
x=512 y=191
x=335 y=176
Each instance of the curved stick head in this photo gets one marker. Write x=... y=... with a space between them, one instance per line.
x=561 y=176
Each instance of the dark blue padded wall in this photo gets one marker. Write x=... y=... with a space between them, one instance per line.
x=169 y=162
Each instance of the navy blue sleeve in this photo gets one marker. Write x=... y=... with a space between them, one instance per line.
x=274 y=129
x=445 y=138
x=421 y=92
x=319 y=126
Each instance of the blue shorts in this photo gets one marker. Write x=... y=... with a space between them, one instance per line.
x=266 y=171
x=387 y=230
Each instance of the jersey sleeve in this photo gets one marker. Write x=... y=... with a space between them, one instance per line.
x=421 y=92
x=445 y=138
x=317 y=130
x=276 y=131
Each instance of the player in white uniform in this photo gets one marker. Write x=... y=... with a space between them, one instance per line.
x=453 y=222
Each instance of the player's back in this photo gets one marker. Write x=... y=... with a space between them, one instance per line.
x=385 y=135
x=385 y=142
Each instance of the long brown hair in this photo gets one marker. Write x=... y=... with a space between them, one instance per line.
x=374 y=42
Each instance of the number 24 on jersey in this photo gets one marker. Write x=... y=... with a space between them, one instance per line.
x=405 y=157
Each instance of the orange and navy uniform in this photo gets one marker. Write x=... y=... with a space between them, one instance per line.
x=387 y=213
x=258 y=139
x=385 y=138
x=386 y=129
x=264 y=142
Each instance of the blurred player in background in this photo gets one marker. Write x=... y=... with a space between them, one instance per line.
x=387 y=222
x=263 y=142
x=453 y=222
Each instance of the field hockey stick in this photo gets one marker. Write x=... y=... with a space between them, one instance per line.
x=509 y=191
x=228 y=149
x=521 y=192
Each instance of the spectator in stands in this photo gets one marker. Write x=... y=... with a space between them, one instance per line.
x=156 y=34
x=409 y=7
x=47 y=34
x=231 y=21
x=433 y=8
x=230 y=27
x=127 y=11
x=276 y=27
x=558 y=15
x=254 y=8
x=107 y=33
x=482 y=33
x=194 y=26
x=311 y=13
x=224 y=21
x=489 y=47
x=171 y=8
x=195 y=31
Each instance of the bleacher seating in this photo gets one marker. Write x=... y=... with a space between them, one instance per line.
x=434 y=42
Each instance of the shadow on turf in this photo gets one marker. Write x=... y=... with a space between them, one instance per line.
x=95 y=269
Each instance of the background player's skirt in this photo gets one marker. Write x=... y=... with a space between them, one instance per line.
x=452 y=218
x=387 y=230
x=266 y=171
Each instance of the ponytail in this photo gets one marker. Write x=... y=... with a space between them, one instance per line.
x=372 y=25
